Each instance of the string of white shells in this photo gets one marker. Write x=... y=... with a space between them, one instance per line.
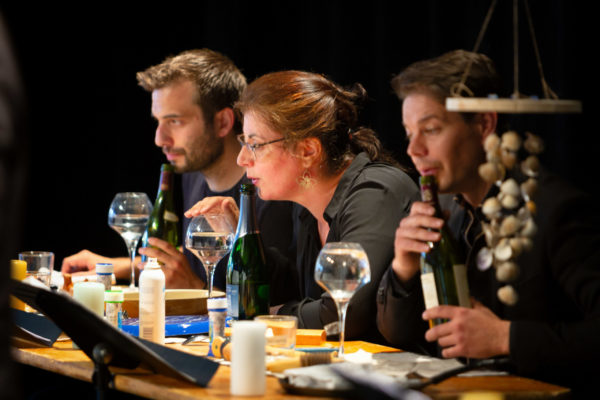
x=510 y=225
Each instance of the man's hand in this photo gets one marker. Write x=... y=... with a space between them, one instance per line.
x=178 y=273
x=419 y=227
x=85 y=260
x=470 y=332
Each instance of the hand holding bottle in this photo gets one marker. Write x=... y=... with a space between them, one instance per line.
x=470 y=332
x=418 y=228
x=177 y=270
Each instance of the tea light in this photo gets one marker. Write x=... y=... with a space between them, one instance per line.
x=248 y=358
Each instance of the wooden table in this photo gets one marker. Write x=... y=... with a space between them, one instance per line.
x=63 y=359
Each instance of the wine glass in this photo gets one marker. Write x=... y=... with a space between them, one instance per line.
x=341 y=269
x=128 y=214
x=209 y=237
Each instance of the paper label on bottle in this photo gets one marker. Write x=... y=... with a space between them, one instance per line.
x=462 y=286
x=170 y=216
x=429 y=290
x=233 y=297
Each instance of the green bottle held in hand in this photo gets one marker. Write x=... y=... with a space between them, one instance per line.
x=247 y=275
x=443 y=272
x=163 y=222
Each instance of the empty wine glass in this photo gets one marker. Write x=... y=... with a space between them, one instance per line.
x=209 y=237
x=128 y=214
x=341 y=269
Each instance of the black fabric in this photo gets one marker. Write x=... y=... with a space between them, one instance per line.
x=555 y=328
x=366 y=207
x=274 y=219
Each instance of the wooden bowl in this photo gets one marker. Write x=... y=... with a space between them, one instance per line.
x=177 y=302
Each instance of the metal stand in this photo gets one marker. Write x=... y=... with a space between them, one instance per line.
x=102 y=377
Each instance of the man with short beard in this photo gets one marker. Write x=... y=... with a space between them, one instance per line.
x=192 y=98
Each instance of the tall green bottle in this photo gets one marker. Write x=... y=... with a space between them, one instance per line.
x=163 y=222
x=443 y=272
x=247 y=276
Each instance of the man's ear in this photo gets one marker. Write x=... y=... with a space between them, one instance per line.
x=310 y=151
x=488 y=122
x=223 y=122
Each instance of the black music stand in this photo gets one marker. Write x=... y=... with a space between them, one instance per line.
x=107 y=346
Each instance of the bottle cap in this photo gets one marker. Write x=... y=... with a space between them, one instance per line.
x=215 y=303
x=152 y=263
x=104 y=268
x=114 y=296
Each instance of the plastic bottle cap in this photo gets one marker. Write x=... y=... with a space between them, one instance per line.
x=215 y=303
x=152 y=263
x=114 y=296
x=104 y=268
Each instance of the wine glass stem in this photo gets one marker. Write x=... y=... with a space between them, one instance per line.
x=132 y=256
x=342 y=307
x=210 y=269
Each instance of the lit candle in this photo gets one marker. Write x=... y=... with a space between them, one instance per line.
x=248 y=358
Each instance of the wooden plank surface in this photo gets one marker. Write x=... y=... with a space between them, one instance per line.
x=65 y=360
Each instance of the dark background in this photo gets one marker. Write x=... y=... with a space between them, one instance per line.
x=90 y=133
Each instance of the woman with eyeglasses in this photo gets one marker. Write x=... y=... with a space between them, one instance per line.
x=302 y=143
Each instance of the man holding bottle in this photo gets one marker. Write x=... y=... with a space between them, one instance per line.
x=552 y=332
x=192 y=98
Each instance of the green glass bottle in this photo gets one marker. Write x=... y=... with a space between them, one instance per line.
x=247 y=275
x=443 y=272
x=163 y=222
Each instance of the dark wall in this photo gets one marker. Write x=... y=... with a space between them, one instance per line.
x=90 y=126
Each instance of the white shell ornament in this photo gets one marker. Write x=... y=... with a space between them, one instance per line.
x=508 y=295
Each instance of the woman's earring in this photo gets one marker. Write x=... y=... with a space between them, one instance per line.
x=306 y=181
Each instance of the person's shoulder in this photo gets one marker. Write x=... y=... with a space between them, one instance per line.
x=388 y=175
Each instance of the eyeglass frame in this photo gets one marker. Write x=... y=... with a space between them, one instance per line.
x=254 y=146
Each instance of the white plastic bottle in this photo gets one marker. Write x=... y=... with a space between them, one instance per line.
x=152 y=302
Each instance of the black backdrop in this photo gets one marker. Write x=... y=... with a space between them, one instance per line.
x=90 y=131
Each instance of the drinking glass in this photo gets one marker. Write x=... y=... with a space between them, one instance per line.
x=128 y=215
x=341 y=269
x=209 y=237
x=40 y=265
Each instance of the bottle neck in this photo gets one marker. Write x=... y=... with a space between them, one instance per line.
x=429 y=194
x=247 y=222
x=166 y=181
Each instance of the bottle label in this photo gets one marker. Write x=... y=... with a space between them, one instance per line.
x=170 y=216
x=462 y=286
x=429 y=290
x=233 y=297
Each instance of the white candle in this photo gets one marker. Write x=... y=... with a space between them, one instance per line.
x=91 y=295
x=248 y=358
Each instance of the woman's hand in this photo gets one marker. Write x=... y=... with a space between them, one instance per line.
x=216 y=204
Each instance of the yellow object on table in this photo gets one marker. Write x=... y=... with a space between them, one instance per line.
x=304 y=337
x=18 y=271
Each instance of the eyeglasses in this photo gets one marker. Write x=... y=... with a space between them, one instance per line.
x=253 y=146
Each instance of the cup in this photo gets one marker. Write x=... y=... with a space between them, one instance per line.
x=39 y=265
x=281 y=330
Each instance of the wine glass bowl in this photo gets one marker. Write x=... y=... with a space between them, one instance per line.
x=341 y=269
x=128 y=215
x=209 y=237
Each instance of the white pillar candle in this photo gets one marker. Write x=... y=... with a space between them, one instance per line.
x=91 y=295
x=248 y=358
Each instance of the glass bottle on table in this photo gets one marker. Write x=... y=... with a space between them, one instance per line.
x=443 y=271
x=163 y=222
x=247 y=276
